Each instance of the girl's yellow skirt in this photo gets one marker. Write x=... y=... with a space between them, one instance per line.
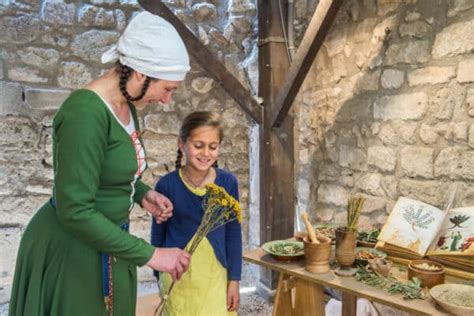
x=202 y=290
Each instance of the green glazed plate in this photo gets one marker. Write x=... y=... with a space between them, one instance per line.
x=285 y=250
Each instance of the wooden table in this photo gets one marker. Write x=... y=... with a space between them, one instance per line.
x=308 y=289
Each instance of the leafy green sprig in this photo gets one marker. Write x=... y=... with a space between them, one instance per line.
x=410 y=290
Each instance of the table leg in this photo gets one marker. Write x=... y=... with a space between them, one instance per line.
x=349 y=304
x=308 y=297
x=282 y=304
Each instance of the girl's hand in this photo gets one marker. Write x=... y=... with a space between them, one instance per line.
x=233 y=296
x=159 y=206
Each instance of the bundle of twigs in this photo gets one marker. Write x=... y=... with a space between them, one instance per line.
x=354 y=208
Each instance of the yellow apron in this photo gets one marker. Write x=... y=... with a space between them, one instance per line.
x=202 y=290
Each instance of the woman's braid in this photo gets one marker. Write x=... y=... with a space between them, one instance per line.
x=124 y=76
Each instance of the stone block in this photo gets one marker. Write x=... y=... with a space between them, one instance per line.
x=401 y=107
x=416 y=161
x=45 y=99
x=202 y=84
x=466 y=71
x=73 y=75
x=11 y=101
x=162 y=149
x=203 y=11
x=457 y=6
x=121 y=20
x=26 y=74
x=92 y=44
x=370 y=184
x=161 y=124
x=392 y=78
x=19 y=30
x=373 y=204
x=388 y=135
x=412 y=16
x=454 y=39
x=42 y=58
x=431 y=75
x=335 y=41
x=332 y=194
x=381 y=157
x=387 y=6
x=460 y=131
x=411 y=52
x=58 y=13
x=455 y=163
x=428 y=134
x=389 y=185
x=353 y=158
x=240 y=6
x=1 y=70
x=408 y=133
x=431 y=192
x=418 y=29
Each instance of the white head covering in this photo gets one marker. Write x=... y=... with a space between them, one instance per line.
x=151 y=46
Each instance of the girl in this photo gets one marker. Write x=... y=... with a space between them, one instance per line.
x=211 y=285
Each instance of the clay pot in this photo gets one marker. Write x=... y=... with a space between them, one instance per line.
x=317 y=255
x=379 y=265
x=428 y=278
x=345 y=246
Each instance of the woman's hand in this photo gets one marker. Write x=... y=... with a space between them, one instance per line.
x=233 y=296
x=159 y=206
x=171 y=260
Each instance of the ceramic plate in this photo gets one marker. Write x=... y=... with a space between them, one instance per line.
x=286 y=250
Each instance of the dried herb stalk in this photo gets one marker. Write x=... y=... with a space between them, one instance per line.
x=354 y=208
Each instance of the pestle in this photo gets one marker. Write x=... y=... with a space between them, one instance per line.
x=311 y=234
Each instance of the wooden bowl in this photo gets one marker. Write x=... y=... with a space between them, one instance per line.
x=457 y=291
x=428 y=278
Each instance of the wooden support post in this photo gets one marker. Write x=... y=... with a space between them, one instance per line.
x=349 y=304
x=314 y=36
x=277 y=194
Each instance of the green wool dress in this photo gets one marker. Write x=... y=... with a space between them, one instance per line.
x=59 y=268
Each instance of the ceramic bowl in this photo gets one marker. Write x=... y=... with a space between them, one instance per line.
x=428 y=278
x=457 y=291
x=275 y=249
x=364 y=254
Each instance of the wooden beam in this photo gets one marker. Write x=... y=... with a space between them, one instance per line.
x=207 y=61
x=313 y=39
x=277 y=192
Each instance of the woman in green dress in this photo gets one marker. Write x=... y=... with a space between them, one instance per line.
x=76 y=256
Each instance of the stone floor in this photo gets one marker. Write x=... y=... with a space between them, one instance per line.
x=251 y=304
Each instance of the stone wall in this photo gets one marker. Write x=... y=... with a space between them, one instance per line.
x=50 y=47
x=388 y=109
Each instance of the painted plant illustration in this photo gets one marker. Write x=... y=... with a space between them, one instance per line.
x=416 y=218
x=458 y=220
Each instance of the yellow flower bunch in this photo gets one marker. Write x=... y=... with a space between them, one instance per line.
x=218 y=196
